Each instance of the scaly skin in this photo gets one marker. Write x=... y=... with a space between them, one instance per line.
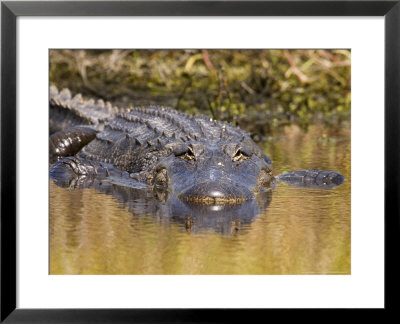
x=196 y=158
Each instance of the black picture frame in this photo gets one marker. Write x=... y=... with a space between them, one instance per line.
x=11 y=10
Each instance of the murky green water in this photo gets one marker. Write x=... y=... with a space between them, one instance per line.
x=297 y=231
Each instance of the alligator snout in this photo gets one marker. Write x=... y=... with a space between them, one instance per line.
x=216 y=193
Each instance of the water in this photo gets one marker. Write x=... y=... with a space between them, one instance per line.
x=114 y=230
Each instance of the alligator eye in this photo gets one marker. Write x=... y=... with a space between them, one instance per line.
x=240 y=155
x=188 y=154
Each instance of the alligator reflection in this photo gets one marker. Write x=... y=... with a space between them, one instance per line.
x=140 y=199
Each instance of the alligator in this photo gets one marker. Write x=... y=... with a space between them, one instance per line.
x=194 y=158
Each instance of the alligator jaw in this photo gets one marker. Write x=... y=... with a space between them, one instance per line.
x=216 y=193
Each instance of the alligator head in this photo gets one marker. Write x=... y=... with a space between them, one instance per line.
x=214 y=171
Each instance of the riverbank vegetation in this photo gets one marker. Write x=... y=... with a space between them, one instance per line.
x=257 y=90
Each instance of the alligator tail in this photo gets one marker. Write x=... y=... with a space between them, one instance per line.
x=67 y=111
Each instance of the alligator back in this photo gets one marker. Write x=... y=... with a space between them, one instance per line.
x=134 y=140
